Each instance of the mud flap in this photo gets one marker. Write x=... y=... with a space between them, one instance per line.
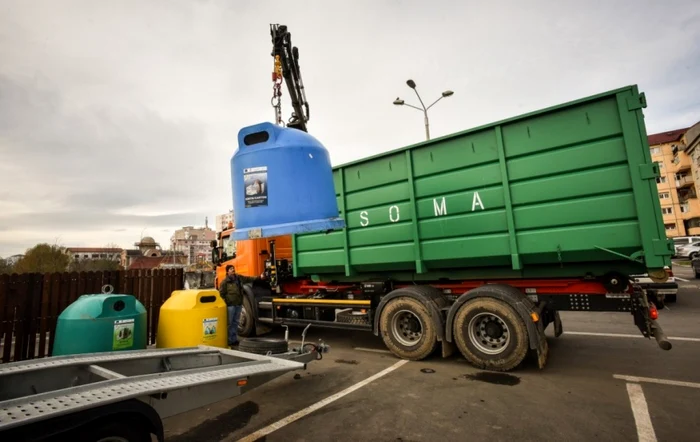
x=448 y=348
x=558 y=327
x=542 y=351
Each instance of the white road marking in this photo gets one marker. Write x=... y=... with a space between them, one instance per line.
x=657 y=381
x=645 y=430
x=624 y=335
x=372 y=350
x=681 y=279
x=320 y=404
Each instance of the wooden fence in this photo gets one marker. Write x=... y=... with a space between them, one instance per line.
x=31 y=303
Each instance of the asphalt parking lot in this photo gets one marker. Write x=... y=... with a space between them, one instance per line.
x=603 y=381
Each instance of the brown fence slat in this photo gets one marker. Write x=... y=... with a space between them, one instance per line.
x=95 y=286
x=34 y=313
x=7 y=317
x=128 y=282
x=22 y=300
x=59 y=290
x=82 y=283
x=77 y=287
x=147 y=295
x=156 y=302
x=45 y=312
x=87 y=278
x=11 y=305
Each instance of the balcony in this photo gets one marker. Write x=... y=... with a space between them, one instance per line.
x=687 y=193
x=680 y=162
x=684 y=181
x=690 y=209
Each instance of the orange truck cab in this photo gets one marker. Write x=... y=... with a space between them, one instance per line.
x=249 y=257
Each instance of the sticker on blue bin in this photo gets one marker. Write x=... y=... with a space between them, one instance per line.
x=255 y=183
x=123 y=334
x=209 y=326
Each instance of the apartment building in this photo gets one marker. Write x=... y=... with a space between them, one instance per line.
x=195 y=243
x=223 y=220
x=679 y=163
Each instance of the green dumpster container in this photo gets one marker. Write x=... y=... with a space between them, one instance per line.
x=101 y=323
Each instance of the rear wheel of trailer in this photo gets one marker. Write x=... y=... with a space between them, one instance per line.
x=490 y=334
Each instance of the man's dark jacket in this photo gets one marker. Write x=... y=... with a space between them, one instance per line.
x=231 y=289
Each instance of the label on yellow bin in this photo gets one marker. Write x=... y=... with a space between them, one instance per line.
x=123 y=334
x=209 y=326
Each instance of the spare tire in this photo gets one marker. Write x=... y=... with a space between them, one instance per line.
x=263 y=346
x=351 y=317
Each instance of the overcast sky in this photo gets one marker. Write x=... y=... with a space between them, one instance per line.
x=119 y=118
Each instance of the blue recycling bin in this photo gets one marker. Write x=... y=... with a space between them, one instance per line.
x=282 y=183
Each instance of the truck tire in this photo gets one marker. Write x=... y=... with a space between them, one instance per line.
x=263 y=346
x=490 y=334
x=407 y=329
x=246 y=322
x=355 y=318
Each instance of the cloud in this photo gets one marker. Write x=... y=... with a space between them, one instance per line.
x=115 y=117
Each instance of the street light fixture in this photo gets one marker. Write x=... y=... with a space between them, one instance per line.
x=400 y=102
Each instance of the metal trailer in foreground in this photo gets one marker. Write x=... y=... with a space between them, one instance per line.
x=125 y=395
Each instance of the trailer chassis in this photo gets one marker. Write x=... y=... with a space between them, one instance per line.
x=126 y=394
x=495 y=324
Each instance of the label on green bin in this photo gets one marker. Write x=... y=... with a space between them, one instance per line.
x=209 y=326
x=123 y=334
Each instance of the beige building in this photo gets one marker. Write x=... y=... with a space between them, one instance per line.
x=94 y=253
x=679 y=163
x=195 y=243
x=223 y=220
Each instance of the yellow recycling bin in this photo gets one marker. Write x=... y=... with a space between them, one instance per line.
x=192 y=317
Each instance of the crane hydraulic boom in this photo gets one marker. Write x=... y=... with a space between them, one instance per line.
x=287 y=67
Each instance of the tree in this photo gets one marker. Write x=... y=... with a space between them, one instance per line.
x=5 y=266
x=43 y=258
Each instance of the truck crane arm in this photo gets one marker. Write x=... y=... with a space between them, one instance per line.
x=286 y=67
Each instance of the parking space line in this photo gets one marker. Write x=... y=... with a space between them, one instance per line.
x=372 y=350
x=320 y=404
x=623 y=335
x=681 y=279
x=640 y=410
x=639 y=379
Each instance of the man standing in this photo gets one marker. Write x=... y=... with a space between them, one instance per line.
x=231 y=290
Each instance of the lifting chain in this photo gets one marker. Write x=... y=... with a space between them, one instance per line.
x=276 y=100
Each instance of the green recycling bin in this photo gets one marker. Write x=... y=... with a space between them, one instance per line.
x=101 y=323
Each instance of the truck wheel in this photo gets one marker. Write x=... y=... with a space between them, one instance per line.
x=407 y=329
x=108 y=430
x=490 y=334
x=246 y=322
x=263 y=346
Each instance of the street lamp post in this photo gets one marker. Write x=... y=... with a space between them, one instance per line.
x=412 y=85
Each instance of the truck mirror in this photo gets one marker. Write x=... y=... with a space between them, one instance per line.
x=215 y=256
